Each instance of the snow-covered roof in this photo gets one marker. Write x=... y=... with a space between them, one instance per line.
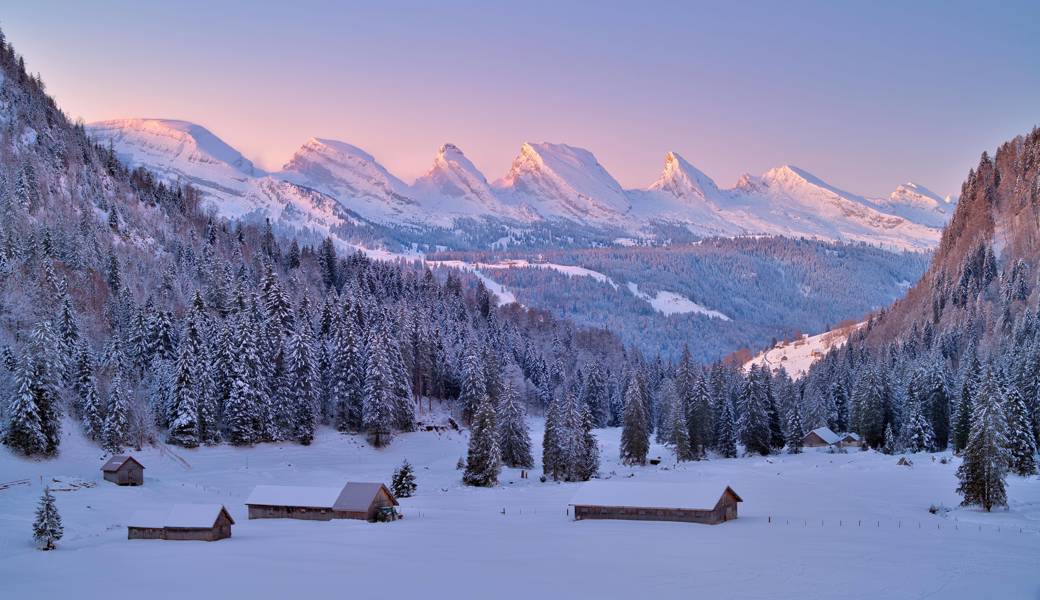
x=294 y=495
x=658 y=495
x=152 y=519
x=827 y=435
x=358 y=495
x=192 y=516
x=117 y=461
x=354 y=496
x=851 y=436
x=182 y=516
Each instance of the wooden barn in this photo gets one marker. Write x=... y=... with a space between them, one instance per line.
x=851 y=439
x=204 y=522
x=123 y=469
x=687 y=503
x=355 y=500
x=820 y=437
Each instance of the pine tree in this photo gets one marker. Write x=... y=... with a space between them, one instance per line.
x=984 y=469
x=378 y=401
x=474 y=387
x=403 y=483
x=965 y=408
x=680 y=428
x=189 y=387
x=300 y=398
x=117 y=417
x=891 y=444
x=594 y=394
x=47 y=528
x=1021 y=443
x=483 y=461
x=24 y=431
x=244 y=418
x=726 y=443
x=93 y=412
x=347 y=378
x=513 y=434
x=919 y=436
x=588 y=447
x=795 y=431
x=755 y=431
x=635 y=438
x=840 y=401
x=554 y=463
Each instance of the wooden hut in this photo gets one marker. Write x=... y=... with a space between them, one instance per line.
x=851 y=439
x=656 y=502
x=204 y=522
x=123 y=469
x=820 y=437
x=355 y=500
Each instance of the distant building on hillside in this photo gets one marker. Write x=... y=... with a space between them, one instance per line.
x=821 y=436
x=355 y=500
x=123 y=469
x=205 y=522
x=687 y=503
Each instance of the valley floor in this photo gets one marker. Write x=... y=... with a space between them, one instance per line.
x=813 y=525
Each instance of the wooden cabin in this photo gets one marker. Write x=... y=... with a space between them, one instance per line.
x=821 y=437
x=656 y=502
x=355 y=500
x=203 y=522
x=851 y=439
x=123 y=469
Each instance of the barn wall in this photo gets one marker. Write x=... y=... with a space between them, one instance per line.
x=290 y=512
x=205 y=535
x=144 y=533
x=627 y=513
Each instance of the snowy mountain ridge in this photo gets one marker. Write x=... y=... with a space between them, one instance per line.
x=547 y=182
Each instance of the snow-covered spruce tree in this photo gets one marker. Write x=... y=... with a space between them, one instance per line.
x=594 y=393
x=726 y=442
x=244 y=417
x=919 y=436
x=378 y=401
x=985 y=465
x=776 y=429
x=755 y=432
x=189 y=387
x=840 y=401
x=937 y=405
x=347 y=377
x=473 y=385
x=484 y=459
x=93 y=411
x=47 y=528
x=117 y=417
x=588 y=456
x=24 y=431
x=635 y=436
x=403 y=483
x=700 y=417
x=299 y=388
x=891 y=444
x=681 y=430
x=513 y=434
x=965 y=404
x=1021 y=443
x=554 y=461
x=795 y=431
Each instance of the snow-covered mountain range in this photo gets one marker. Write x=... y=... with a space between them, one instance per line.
x=327 y=183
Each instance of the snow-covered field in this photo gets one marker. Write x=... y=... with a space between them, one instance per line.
x=814 y=525
x=798 y=355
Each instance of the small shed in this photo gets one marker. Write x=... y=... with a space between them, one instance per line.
x=123 y=469
x=708 y=504
x=821 y=436
x=205 y=522
x=355 y=500
x=851 y=439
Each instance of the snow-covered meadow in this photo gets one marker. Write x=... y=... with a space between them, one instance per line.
x=850 y=525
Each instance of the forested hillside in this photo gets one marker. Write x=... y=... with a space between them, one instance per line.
x=741 y=292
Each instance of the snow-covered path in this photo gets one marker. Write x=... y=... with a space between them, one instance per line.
x=456 y=542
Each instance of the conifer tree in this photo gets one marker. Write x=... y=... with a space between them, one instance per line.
x=189 y=387
x=47 y=527
x=93 y=411
x=840 y=401
x=984 y=469
x=243 y=416
x=378 y=401
x=1021 y=443
x=795 y=431
x=681 y=430
x=473 y=385
x=117 y=417
x=403 y=483
x=919 y=436
x=24 y=431
x=554 y=463
x=965 y=408
x=300 y=397
x=347 y=378
x=726 y=442
x=588 y=456
x=755 y=431
x=891 y=444
x=514 y=436
x=483 y=461
x=635 y=438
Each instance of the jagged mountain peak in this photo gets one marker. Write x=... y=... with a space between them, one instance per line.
x=682 y=179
